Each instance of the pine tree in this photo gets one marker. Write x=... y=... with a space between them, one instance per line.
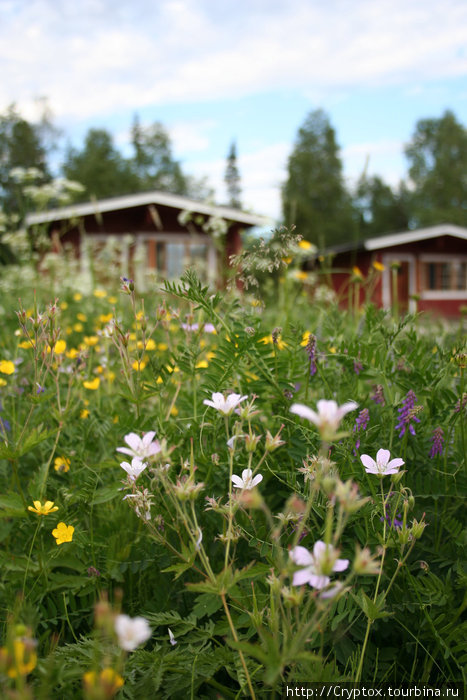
x=232 y=178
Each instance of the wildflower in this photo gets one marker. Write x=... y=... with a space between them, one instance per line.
x=318 y=566
x=92 y=384
x=460 y=405
x=247 y=481
x=45 y=509
x=127 y=285
x=357 y=365
x=378 y=395
x=63 y=533
x=305 y=245
x=364 y=562
x=141 y=448
x=407 y=413
x=357 y=273
x=310 y=350
x=138 y=365
x=60 y=347
x=100 y=293
x=106 y=684
x=22 y=661
x=131 y=632
x=93 y=572
x=273 y=442
x=7 y=367
x=61 y=464
x=379 y=267
x=438 y=442
x=382 y=466
x=134 y=469
x=90 y=340
x=172 y=639
x=361 y=423
x=225 y=406
x=84 y=413
x=328 y=417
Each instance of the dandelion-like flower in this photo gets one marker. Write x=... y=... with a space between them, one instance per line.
x=317 y=565
x=141 y=448
x=45 y=509
x=247 y=480
x=328 y=417
x=224 y=405
x=383 y=464
x=134 y=469
x=63 y=533
x=131 y=632
x=61 y=464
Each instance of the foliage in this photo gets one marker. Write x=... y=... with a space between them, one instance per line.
x=437 y=156
x=314 y=196
x=232 y=178
x=381 y=209
x=181 y=545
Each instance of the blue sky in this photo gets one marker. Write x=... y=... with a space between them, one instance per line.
x=251 y=70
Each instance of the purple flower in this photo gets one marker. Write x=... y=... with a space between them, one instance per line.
x=438 y=442
x=407 y=414
x=361 y=424
x=460 y=407
x=378 y=395
x=357 y=365
x=310 y=350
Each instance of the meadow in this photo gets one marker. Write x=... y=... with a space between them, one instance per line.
x=215 y=494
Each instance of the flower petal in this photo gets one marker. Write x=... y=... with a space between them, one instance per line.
x=369 y=463
x=237 y=481
x=341 y=565
x=304 y=412
x=257 y=479
x=133 y=440
x=382 y=457
x=301 y=556
x=395 y=463
x=301 y=577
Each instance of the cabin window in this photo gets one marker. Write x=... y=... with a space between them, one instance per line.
x=171 y=259
x=446 y=276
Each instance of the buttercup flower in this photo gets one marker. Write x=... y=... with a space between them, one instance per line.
x=247 y=481
x=108 y=681
x=134 y=469
x=329 y=415
x=382 y=466
x=63 y=533
x=225 y=406
x=318 y=566
x=7 y=367
x=141 y=448
x=23 y=658
x=45 y=509
x=131 y=632
x=61 y=464
x=92 y=384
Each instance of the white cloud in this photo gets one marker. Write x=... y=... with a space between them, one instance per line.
x=98 y=56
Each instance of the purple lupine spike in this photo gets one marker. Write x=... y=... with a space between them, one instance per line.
x=407 y=414
x=361 y=423
x=438 y=442
x=310 y=350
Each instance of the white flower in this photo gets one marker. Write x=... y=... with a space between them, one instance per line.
x=141 y=448
x=382 y=466
x=318 y=565
x=172 y=639
x=247 y=481
x=328 y=417
x=131 y=632
x=134 y=469
x=222 y=404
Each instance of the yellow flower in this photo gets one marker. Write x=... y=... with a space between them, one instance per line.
x=63 y=533
x=84 y=413
x=333 y=350
x=61 y=464
x=72 y=353
x=159 y=380
x=60 y=347
x=305 y=245
x=64 y=305
x=7 y=367
x=110 y=376
x=174 y=411
x=77 y=296
x=24 y=658
x=139 y=366
x=287 y=260
x=305 y=337
x=45 y=509
x=357 y=272
x=90 y=340
x=92 y=384
x=202 y=364
x=112 y=300
x=105 y=318
x=378 y=266
x=78 y=327
x=116 y=419
x=81 y=317
x=162 y=346
x=100 y=293
x=150 y=345
x=107 y=682
x=301 y=275
x=2 y=382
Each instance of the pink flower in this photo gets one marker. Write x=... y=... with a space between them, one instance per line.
x=222 y=404
x=247 y=481
x=328 y=417
x=382 y=466
x=318 y=565
x=141 y=448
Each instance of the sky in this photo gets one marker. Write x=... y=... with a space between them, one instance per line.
x=249 y=71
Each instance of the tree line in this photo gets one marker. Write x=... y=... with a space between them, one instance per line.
x=315 y=197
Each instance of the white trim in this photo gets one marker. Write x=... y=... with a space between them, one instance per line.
x=421 y=234
x=444 y=294
x=142 y=199
x=442 y=257
x=388 y=258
